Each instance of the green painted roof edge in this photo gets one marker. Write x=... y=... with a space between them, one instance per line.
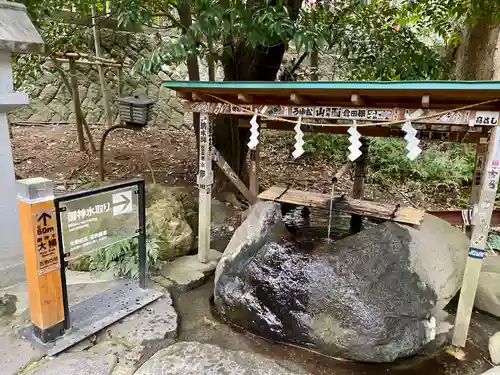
x=347 y=85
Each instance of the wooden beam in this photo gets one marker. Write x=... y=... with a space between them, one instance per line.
x=100 y=68
x=76 y=104
x=254 y=170
x=408 y=215
x=97 y=63
x=426 y=101
x=342 y=171
x=358 y=190
x=233 y=177
x=299 y=99
x=245 y=98
x=199 y=97
x=357 y=100
x=184 y=95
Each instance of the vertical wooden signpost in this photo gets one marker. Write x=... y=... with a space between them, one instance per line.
x=480 y=227
x=205 y=181
x=42 y=258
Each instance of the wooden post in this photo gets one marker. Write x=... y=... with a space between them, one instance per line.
x=481 y=224
x=254 y=170
x=100 y=68
x=358 y=190
x=41 y=257
x=76 y=103
x=205 y=181
x=120 y=81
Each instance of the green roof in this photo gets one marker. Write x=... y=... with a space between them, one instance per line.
x=340 y=85
x=403 y=94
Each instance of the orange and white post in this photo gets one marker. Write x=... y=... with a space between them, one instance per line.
x=41 y=257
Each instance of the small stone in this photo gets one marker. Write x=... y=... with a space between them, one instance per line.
x=188 y=272
x=8 y=305
x=165 y=283
x=494 y=348
x=84 y=363
x=48 y=93
x=150 y=325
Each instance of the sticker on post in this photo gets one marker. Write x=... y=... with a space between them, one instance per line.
x=47 y=250
x=476 y=253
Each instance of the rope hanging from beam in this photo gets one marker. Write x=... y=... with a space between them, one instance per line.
x=395 y=122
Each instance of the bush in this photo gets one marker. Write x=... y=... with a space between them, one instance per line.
x=123 y=258
x=444 y=163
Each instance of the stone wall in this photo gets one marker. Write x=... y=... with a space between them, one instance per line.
x=51 y=100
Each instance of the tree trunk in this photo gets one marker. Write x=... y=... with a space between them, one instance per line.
x=244 y=64
x=475 y=56
x=192 y=64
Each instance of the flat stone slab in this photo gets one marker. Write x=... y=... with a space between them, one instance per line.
x=492 y=371
x=153 y=323
x=16 y=354
x=84 y=363
x=187 y=272
x=204 y=359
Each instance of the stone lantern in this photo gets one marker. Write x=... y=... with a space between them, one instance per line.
x=17 y=35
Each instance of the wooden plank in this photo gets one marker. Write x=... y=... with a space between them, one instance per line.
x=481 y=225
x=233 y=177
x=371 y=114
x=405 y=215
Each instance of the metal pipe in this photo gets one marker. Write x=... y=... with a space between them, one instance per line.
x=103 y=140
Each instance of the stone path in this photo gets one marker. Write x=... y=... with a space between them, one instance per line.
x=195 y=358
x=157 y=341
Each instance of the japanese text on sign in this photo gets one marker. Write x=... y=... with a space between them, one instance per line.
x=46 y=242
x=99 y=219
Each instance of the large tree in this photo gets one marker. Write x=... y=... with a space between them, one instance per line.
x=248 y=38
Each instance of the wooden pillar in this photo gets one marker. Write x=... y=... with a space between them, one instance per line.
x=41 y=257
x=358 y=190
x=254 y=170
x=100 y=67
x=481 y=150
x=76 y=104
x=205 y=181
x=480 y=228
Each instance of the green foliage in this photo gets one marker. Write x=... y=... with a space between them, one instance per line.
x=122 y=258
x=443 y=163
x=493 y=241
x=371 y=43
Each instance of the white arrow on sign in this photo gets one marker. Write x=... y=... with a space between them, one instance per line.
x=122 y=203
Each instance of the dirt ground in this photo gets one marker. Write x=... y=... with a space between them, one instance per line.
x=169 y=156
